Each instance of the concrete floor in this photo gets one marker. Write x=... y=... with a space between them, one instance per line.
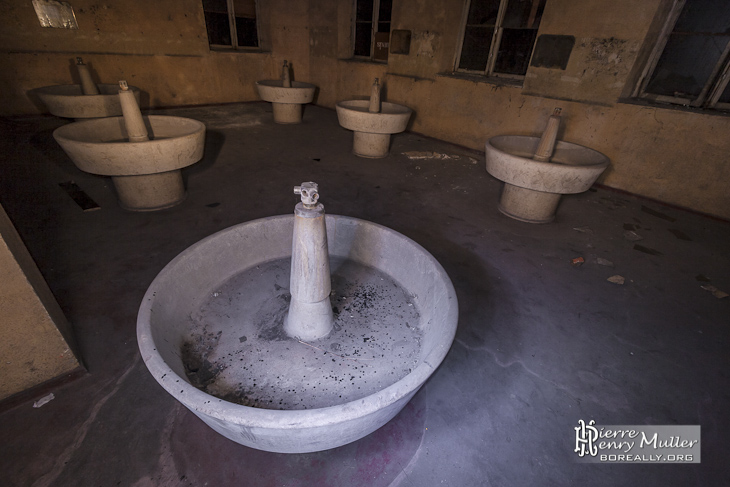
x=540 y=343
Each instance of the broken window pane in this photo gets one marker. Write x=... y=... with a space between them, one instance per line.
x=483 y=12
x=362 y=39
x=686 y=64
x=518 y=28
x=216 y=21
x=475 y=51
x=364 y=10
x=725 y=97
x=515 y=50
x=246 y=31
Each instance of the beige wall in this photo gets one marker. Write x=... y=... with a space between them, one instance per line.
x=35 y=337
x=675 y=156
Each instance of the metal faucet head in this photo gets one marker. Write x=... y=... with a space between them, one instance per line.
x=309 y=192
x=79 y=61
x=123 y=85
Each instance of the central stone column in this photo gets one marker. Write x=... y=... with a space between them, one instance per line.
x=310 y=311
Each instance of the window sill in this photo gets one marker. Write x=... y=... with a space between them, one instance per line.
x=363 y=60
x=479 y=78
x=240 y=50
x=722 y=112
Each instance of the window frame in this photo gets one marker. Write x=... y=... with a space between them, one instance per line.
x=373 y=30
x=233 y=46
x=715 y=85
x=493 y=48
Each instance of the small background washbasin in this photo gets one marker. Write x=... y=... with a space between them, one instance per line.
x=533 y=188
x=68 y=101
x=146 y=174
x=286 y=101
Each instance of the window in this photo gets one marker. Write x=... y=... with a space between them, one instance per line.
x=498 y=36
x=231 y=23
x=372 y=28
x=689 y=65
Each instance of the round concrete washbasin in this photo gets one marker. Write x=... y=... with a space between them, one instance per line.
x=287 y=101
x=372 y=130
x=146 y=174
x=68 y=101
x=533 y=188
x=284 y=395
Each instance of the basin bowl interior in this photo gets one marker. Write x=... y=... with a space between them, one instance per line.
x=272 y=90
x=101 y=146
x=176 y=294
x=354 y=115
x=69 y=101
x=572 y=168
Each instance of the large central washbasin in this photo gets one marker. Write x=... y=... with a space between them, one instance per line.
x=210 y=332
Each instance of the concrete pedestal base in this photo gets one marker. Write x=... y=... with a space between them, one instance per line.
x=528 y=205
x=287 y=113
x=149 y=192
x=369 y=145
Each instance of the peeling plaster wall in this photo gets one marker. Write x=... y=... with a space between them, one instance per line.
x=672 y=155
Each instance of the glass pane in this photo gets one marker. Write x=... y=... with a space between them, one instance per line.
x=686 y=64
x=523 y=14
x=725 y=97
x=246 y=32
x=475 y=51
x=483 y=12
x=515 y=50
x=362 y=38
x=364 y=10
x=383 y=26
x=219 y=31
x=217 y=6
x=386 y=9
x=245 y=8
x=706 y=16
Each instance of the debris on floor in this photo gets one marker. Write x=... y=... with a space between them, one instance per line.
x=44 y=400
x=715 y=292
x=632 y=236
x=414 y=155
x=657 y=214
x=679 y=234
x=602 y=261
x=577 y=262
x=646 y=250
x=617 y=279
x=584 y=230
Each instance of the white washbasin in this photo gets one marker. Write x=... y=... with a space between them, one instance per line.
x=533 y=188
x=287 y=101
x=372 y=130
x=235 y=266
x=68 y=101
x=146 y=174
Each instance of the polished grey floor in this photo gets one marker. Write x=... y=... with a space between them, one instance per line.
x=541 y=343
